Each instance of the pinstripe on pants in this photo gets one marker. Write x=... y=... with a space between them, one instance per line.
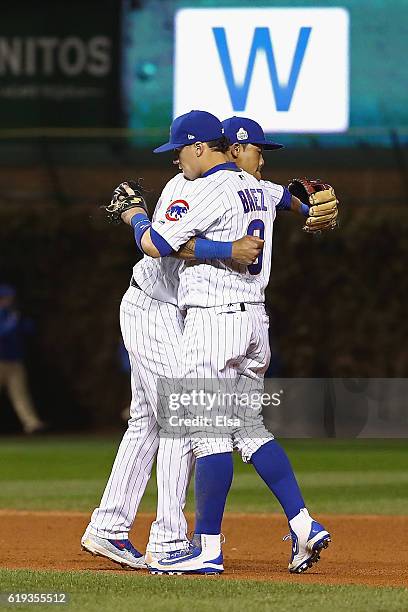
x=152 y=332
x=224 y=343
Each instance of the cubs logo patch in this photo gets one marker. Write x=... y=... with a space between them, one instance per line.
x=176 y=210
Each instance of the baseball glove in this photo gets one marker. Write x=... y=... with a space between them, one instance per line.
x=127 y=195
x=321 y=200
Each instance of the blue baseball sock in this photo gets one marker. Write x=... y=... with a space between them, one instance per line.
x=213 y=478
x=272 y=464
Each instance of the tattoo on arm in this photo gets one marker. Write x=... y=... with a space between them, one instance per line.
x=187 y=250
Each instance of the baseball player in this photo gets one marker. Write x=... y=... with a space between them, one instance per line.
x=249 y=157
x=247 y=145
x=216 y=344
x=152 y=326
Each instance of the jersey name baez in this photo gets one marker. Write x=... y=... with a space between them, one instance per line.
x=224 y=206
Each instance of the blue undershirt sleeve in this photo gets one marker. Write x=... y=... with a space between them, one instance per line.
x=160 y=243
x=285 y=200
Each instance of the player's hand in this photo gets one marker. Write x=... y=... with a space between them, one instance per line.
x=246 y=250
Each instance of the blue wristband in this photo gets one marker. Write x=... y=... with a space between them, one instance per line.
x=304 y=209
x=212 y=249
x=140 y=224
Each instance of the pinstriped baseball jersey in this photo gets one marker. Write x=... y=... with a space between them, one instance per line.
x=224 y=205
x=159 y=278
x=276 y=191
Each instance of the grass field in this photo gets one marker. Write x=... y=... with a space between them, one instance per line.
x=69 y=473
x=90 y=592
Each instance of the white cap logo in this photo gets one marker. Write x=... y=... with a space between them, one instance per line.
x=242 y=134
x=190 y=136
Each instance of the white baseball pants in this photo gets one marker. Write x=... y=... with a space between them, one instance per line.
x=225 y=343
x=152 y=333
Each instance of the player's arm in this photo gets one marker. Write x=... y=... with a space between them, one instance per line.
x=287 y=201
x=244 y=250
x=128 y=205
x=138 y=219
x=298 y=207
x=187 y=251
x=204 y=208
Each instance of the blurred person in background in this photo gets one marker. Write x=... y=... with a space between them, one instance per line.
x=13 y=331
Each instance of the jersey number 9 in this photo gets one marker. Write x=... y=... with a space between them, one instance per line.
x=256 y=226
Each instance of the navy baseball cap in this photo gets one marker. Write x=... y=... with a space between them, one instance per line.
x=247 y=131
x=195 y=126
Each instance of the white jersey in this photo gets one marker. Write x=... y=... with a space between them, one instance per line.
x=159 y=278
x=224 y=205
x=277 y=192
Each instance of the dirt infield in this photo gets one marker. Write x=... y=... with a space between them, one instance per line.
x=370 y=550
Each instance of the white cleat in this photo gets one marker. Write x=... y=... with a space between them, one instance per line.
x=118 y=551
x=309 y=538
x=203 y=557
x=151 y=556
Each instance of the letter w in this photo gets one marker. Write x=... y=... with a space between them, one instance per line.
x=261 y=41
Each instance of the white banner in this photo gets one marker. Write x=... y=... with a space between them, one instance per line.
x=287 y=68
